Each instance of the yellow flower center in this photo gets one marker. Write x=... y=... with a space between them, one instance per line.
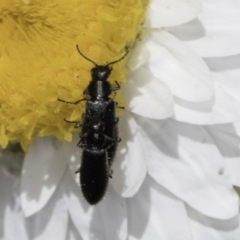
x=39 y=62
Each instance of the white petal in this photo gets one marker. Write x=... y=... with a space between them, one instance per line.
x=139 y=56
x=229 y=64
x=184 y=159
x=154 y=213
x=72 y=233
x=163 y=13
x=217 y=32
x=51 y=222
x=73 y=156
x=95 y=222
x=220 y=109
x=232 y=129
x=148 y=96
x=43 y=168
x=209 y=228
x=79 y=210
x=12 y=219
x=129 y=168
x=228 y=144
x=229 y=81
x=182 y=70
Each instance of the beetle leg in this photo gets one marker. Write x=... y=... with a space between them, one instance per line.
x=116 y=88
x=119 y=106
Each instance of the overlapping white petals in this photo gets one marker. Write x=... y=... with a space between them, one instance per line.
x=216 y=33
x=227 y=140
x=43 y=168
x=139 y=55
x=90 y=220
x=209 y=228
x=229 y=81
x=225 y=105
x=72 y=233
x=185 y=160
x=129 y=167
x=12 y=219
x=220 y=109
x=182 y=70
x=164 y=13
x=73 y=157
x=51 y=222
x=148 y=96
x=154 y=213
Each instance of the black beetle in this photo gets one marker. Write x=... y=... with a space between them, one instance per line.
x=99 y=132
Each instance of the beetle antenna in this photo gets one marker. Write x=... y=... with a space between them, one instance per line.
x=119 y=59
x=85 y=56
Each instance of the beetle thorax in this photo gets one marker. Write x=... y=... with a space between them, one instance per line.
x=99 y=89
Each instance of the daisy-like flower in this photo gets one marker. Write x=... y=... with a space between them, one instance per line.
x=176 y=166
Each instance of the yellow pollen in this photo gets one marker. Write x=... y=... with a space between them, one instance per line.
x=39 y=62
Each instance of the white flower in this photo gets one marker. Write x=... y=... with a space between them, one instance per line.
x=179 y=158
